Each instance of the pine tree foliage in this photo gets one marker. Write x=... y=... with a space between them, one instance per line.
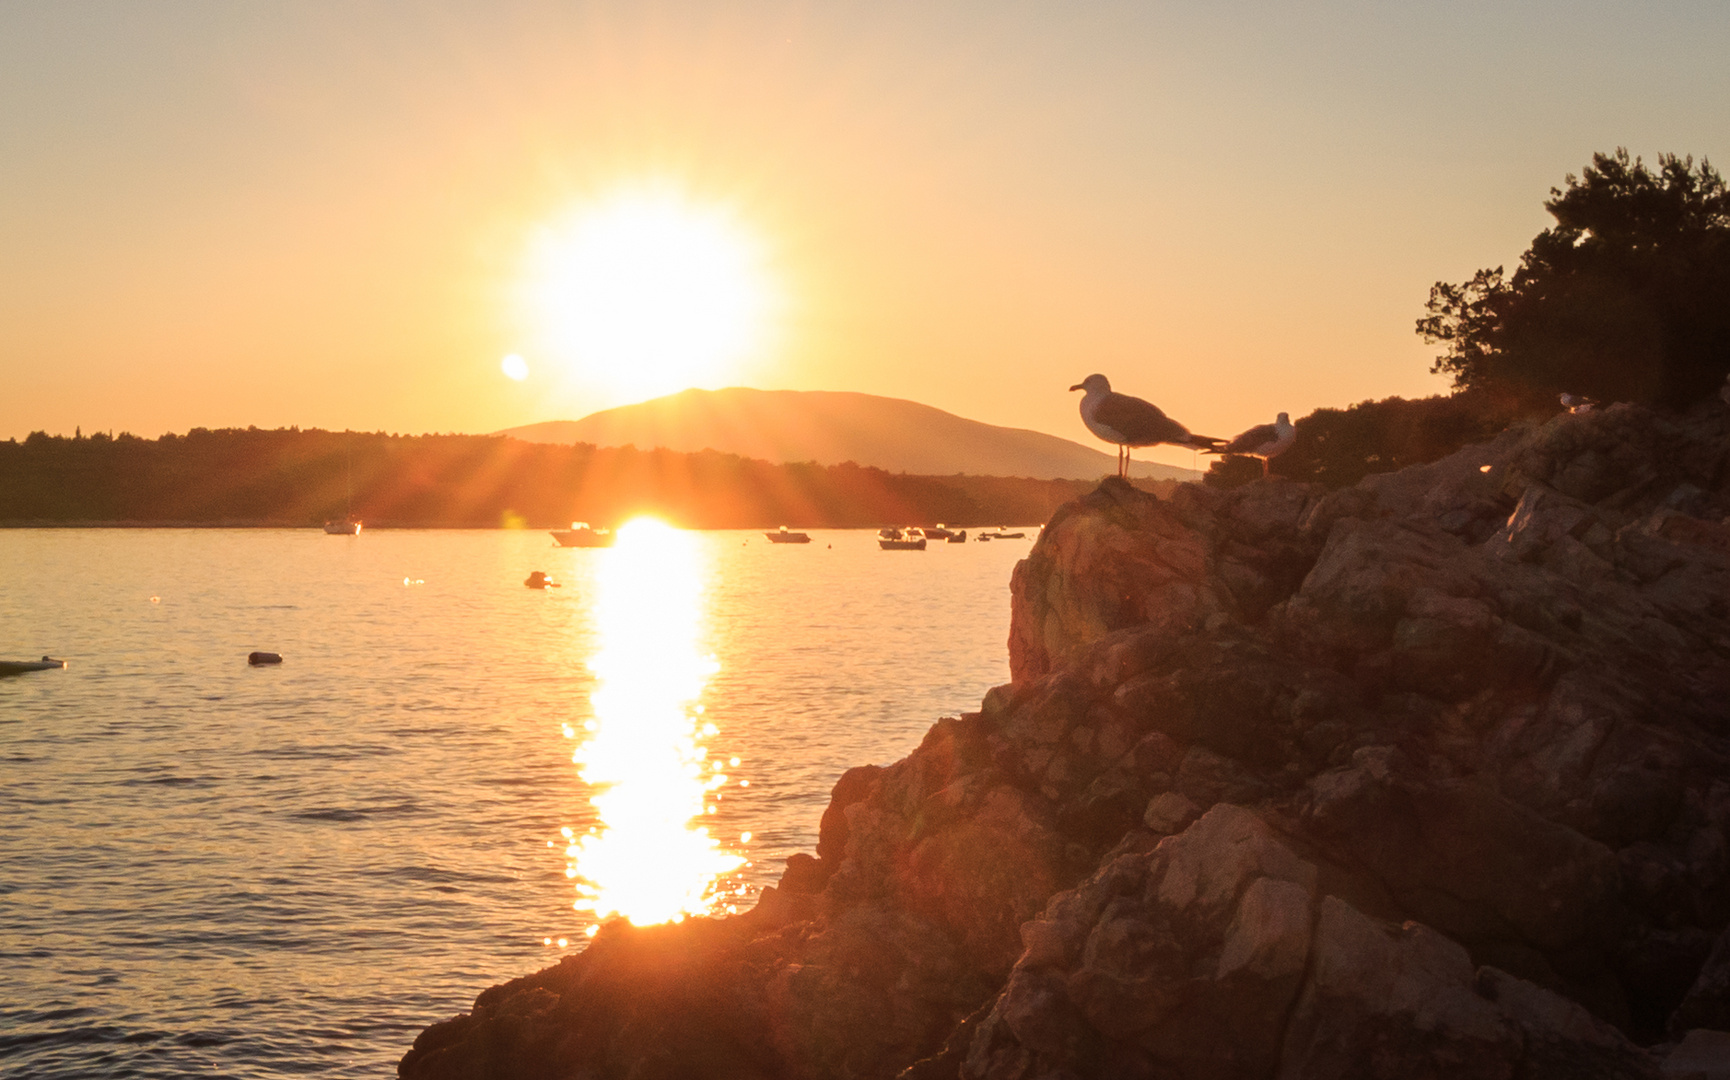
x=1625 y=298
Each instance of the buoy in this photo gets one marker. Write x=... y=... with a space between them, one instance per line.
x=263 y=658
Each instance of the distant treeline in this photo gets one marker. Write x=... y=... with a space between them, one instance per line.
x=290 y=477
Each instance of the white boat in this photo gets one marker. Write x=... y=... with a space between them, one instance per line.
x=581 y=535
x=901 y=539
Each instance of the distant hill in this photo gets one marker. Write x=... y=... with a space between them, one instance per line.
x=830 y=427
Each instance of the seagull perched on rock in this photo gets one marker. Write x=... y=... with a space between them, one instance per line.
x=1130 y=421
x=1263 y=441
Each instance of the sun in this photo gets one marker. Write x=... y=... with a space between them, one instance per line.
x=645 y=292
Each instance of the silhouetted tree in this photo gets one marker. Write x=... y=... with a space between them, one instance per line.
x=1625 y=298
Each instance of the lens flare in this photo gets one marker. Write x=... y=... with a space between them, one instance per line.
x=643 y=758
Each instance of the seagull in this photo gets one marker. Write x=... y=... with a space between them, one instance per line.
x=1130 y=421
x=1262 y=441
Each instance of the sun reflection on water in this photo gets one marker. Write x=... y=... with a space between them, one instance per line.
x=643 y=754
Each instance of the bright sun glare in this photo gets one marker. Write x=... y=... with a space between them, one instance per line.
x=643 y=754
x=646 y=292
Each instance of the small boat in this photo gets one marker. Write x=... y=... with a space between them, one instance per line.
x=901 y=540
x=782 y=536
x=940 y=532
x=348 y=526
x=958 y=537
x=1001 y=535
x=19 y=667
x=538 y=579
x=581 y=535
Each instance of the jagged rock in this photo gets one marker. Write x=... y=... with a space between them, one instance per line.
x=1169 y=812
x=1405 y=1002
x=1164 y=961
x=1701 y=1055
x=1708 y=1002
x=1425 y=777
x=1189 y=960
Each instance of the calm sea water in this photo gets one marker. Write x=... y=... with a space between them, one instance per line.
x=215 y=869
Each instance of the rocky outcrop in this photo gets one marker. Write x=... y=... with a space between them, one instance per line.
x=1425 y=777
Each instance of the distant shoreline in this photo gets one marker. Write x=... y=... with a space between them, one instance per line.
x=241 y=479
x=238 y=525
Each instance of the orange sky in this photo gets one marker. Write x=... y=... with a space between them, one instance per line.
x=217 y=214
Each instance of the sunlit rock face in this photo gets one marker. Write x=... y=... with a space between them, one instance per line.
x=1425 y=777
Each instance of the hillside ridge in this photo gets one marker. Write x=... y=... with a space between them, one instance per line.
x=830 y=427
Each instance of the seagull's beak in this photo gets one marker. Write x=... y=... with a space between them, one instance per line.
x=1078 y=386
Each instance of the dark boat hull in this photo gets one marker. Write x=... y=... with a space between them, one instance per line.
x=19 y=667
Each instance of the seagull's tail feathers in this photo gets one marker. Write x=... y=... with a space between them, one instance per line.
x=1207 y=444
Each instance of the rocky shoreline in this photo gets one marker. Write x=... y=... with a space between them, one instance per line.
x=1429 y=776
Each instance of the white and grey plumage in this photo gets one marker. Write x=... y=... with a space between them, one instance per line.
x=1264 y=441
x=1130 y=421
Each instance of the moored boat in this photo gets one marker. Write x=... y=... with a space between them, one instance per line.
x=348 y=526
x=901 y=539
x=19 y=667
x=581 y=535
x=783 y=536
x=959 y=537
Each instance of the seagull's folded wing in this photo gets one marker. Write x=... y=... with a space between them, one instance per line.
x=1141 y=422
x=1253 y=440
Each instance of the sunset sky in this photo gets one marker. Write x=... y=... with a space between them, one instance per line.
x=348 y=214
